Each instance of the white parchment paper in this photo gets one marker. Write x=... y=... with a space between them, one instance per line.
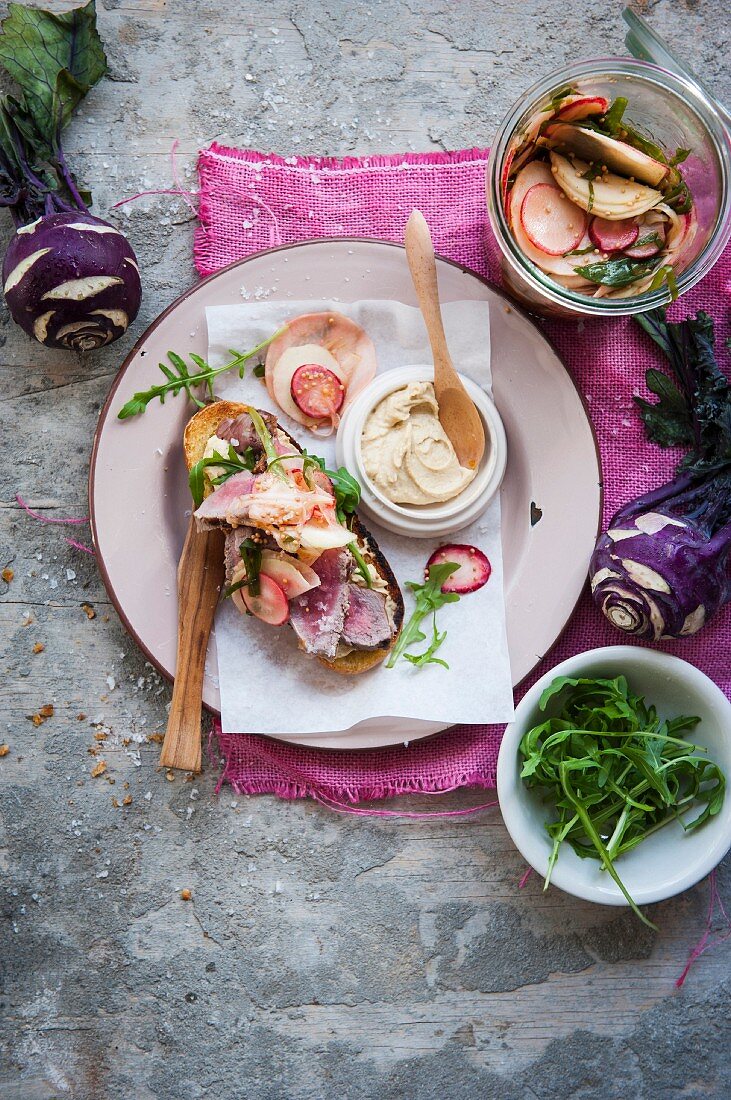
x=267 y=684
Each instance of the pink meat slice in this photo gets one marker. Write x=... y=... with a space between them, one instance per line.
x=317 y=616
x=344 y=339
x=228 y=501
x=366 y=624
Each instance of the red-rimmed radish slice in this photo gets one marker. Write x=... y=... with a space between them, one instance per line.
x=345 y=342
x=474 y=568
x=270 y=605
x=287 y=575
x=613 y=236
x=537 y=171
x=640 y=251
x=552 y=223
x=317 y=392
x=583 y=107
x=289 y=362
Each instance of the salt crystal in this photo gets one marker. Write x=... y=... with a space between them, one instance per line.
x=102 y=874
x=111 y=683
x=70 y=575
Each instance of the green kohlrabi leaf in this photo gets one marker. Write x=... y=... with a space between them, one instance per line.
x=55 y=59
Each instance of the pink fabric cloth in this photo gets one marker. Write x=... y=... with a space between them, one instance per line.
x=250 y=201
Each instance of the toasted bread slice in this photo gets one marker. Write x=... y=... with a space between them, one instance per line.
x=198 y=431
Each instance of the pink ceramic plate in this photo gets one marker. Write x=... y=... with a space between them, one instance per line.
x=551 y=495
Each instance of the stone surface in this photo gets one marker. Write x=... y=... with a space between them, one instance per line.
x=321 y=955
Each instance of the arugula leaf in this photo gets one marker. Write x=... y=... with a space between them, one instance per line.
x=231 y=464
x=55 y=59
x=617 y=273
x=429 y=598
x=614 y=771
x=179 y=378
x=250 y=552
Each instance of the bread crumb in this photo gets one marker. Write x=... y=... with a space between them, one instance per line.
x=40 y=717
x=99 y=769
x=170 y=775
x=115 y=803
x=28 y=620
x=7 y=575
x=88 y=610
x=127 y=800
x=4 y=750
x=157 y=738
x=186 y=895
x=100 y=736
x=38 y=647
x=82 y=718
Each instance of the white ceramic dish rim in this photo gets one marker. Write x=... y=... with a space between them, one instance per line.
x=473 y=500
x=532 y=844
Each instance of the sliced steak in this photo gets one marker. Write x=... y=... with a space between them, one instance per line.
x=228 y=502
x=241 y=433
x=366 y=624
x=234 y=537
x=317 y=617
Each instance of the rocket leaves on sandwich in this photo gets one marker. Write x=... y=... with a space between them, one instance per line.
x=232 y=463
x=179 y=377
x=429 y=598
x=251 y=556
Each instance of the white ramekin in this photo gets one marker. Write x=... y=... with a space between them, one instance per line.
x=423 y=520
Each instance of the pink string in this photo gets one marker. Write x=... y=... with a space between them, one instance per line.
x=705 y=943
x=161 y=191
x=524 y=880
x=47 y=519
x=80 y=546
x=341 y=807
x=176 y=179
x=178 y=189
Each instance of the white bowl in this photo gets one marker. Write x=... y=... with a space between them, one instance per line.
x=670 y=860
x=428 y=520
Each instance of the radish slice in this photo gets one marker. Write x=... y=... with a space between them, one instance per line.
x=318 y=392
x=537 y=171
x=343 y=340
x=287 y=575
x=474 y=568
x=270 y=605
x=613 y=236
x=584 y=107
x=285 y=369
x=645 y=251
x=551 y=222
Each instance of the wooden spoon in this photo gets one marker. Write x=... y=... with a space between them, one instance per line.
x=457 y=413
x=200 y=576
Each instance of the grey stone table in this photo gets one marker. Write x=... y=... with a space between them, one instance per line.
x=321 y=955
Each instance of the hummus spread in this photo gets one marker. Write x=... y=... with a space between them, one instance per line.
x=406 y=452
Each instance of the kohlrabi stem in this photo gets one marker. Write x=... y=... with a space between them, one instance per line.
x=68 y=179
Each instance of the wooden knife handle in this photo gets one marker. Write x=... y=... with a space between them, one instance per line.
x=200 y=576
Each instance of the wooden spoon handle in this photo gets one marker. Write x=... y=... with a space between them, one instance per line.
x=420 y=254
x=200 y=576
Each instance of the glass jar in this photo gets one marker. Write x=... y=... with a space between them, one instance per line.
x=672 y=111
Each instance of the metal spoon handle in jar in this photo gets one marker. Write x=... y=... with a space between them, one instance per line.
x=647 y=45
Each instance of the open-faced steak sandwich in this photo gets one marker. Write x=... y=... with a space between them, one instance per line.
x=295 y=549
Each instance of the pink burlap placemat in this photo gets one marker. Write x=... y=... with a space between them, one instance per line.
x=250 y=201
